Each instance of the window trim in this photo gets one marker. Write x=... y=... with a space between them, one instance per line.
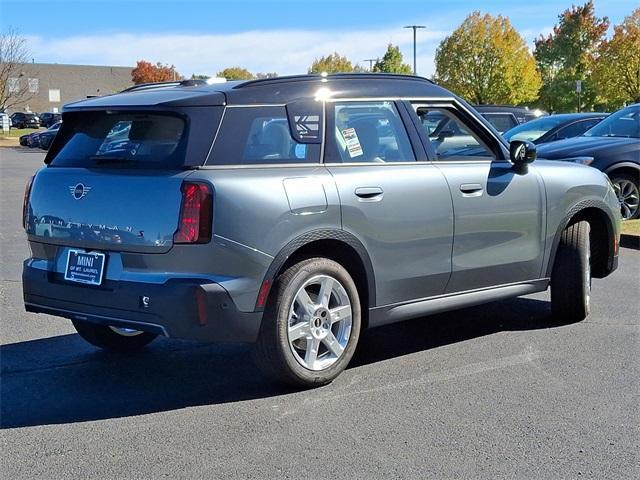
x=330 y=122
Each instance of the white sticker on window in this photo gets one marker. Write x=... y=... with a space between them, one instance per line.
x=353 y=144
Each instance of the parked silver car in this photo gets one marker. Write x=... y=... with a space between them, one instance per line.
x=295 y=212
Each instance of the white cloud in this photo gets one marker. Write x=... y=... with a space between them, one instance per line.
x=282 y=51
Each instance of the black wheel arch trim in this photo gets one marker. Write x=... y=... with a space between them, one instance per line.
x=324 y=234
x=619 y=165
x=611 y=233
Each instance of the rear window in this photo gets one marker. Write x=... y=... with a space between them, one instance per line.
x=258 y=136
x=118 y=139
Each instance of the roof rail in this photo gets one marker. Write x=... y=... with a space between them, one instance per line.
x=316 y=76
x=176 y=83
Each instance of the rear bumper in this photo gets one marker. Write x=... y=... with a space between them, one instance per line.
x=179 y=308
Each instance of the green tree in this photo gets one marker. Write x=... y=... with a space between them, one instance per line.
x=391 y=62
x=616 y=74
x=567 y=55
x=332 y=63
x=199 y=77
x=485 y=60
x=236 y=73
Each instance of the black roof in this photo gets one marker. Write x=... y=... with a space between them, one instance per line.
x=278 y=90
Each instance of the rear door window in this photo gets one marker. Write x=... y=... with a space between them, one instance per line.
x=575 y=129
x=367 y=132
x=104 y=139
x=259 y=135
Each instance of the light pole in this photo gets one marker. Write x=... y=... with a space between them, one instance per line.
x=370 y=60
x=414 y=27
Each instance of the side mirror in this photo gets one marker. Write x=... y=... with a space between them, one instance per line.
x=522 y=152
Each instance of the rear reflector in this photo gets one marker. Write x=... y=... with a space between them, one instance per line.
x=263 y=294
x=201 y=303
x=25 y=203
x=195 y=214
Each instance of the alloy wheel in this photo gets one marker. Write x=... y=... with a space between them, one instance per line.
x=628 y=196
x=320 y=321
x=125 y=332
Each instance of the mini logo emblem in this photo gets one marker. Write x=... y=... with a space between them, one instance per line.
x=79 y=191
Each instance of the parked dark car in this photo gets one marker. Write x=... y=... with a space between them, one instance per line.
x=554 y=127
x=45 y=138
x=48 y=118
x=24 y=120
x=613 y=146
x=504 y=117
x=24 y=139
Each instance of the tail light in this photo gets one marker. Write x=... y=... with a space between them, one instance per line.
x=25 y=203
x=196 y=214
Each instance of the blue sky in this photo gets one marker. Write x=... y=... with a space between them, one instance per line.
x=284 y=36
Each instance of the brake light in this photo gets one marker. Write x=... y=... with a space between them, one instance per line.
x=196 y=214
x=25 y=203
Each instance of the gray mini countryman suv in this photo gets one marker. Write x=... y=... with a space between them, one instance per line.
x=295 y=212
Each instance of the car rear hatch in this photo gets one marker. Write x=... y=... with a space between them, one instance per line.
x=115 y=180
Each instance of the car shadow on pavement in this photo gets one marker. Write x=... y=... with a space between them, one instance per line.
x=63 y=380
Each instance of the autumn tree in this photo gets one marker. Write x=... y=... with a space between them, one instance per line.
x=392 y=62
x=485 y=60
x=14 y=86
x=236 y=73
x=146 y=72
x=332 y=63
x=568 y=55
x=616 y=73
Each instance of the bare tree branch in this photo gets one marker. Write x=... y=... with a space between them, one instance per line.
x=14 y=54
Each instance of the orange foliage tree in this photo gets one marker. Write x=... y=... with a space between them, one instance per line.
x=146 y=72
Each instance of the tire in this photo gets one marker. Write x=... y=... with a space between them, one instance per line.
x=111 y=338
x=571 y=275
x=304 y=340
x=628 y=192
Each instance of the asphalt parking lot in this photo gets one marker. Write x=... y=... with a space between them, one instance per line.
x=488 y=392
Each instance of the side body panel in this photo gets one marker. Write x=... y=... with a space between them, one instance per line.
x=407 y=229
x=570 y=187
x=257 y=211
x=499 y=228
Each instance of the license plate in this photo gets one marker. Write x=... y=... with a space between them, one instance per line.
x=84 y=267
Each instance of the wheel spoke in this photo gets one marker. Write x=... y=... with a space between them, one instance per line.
x=340 y=313
x=326 y=287
x=332 y=344
x=299 y=330
x=311 y=355
x=305 y=302
x=626 y=211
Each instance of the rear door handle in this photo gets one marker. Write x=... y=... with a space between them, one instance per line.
x=471 y=189
x=369 y=194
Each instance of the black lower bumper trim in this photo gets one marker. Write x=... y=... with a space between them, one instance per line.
x=100 y=319
x=191 y=309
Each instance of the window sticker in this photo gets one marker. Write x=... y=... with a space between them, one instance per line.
x=353 y=144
